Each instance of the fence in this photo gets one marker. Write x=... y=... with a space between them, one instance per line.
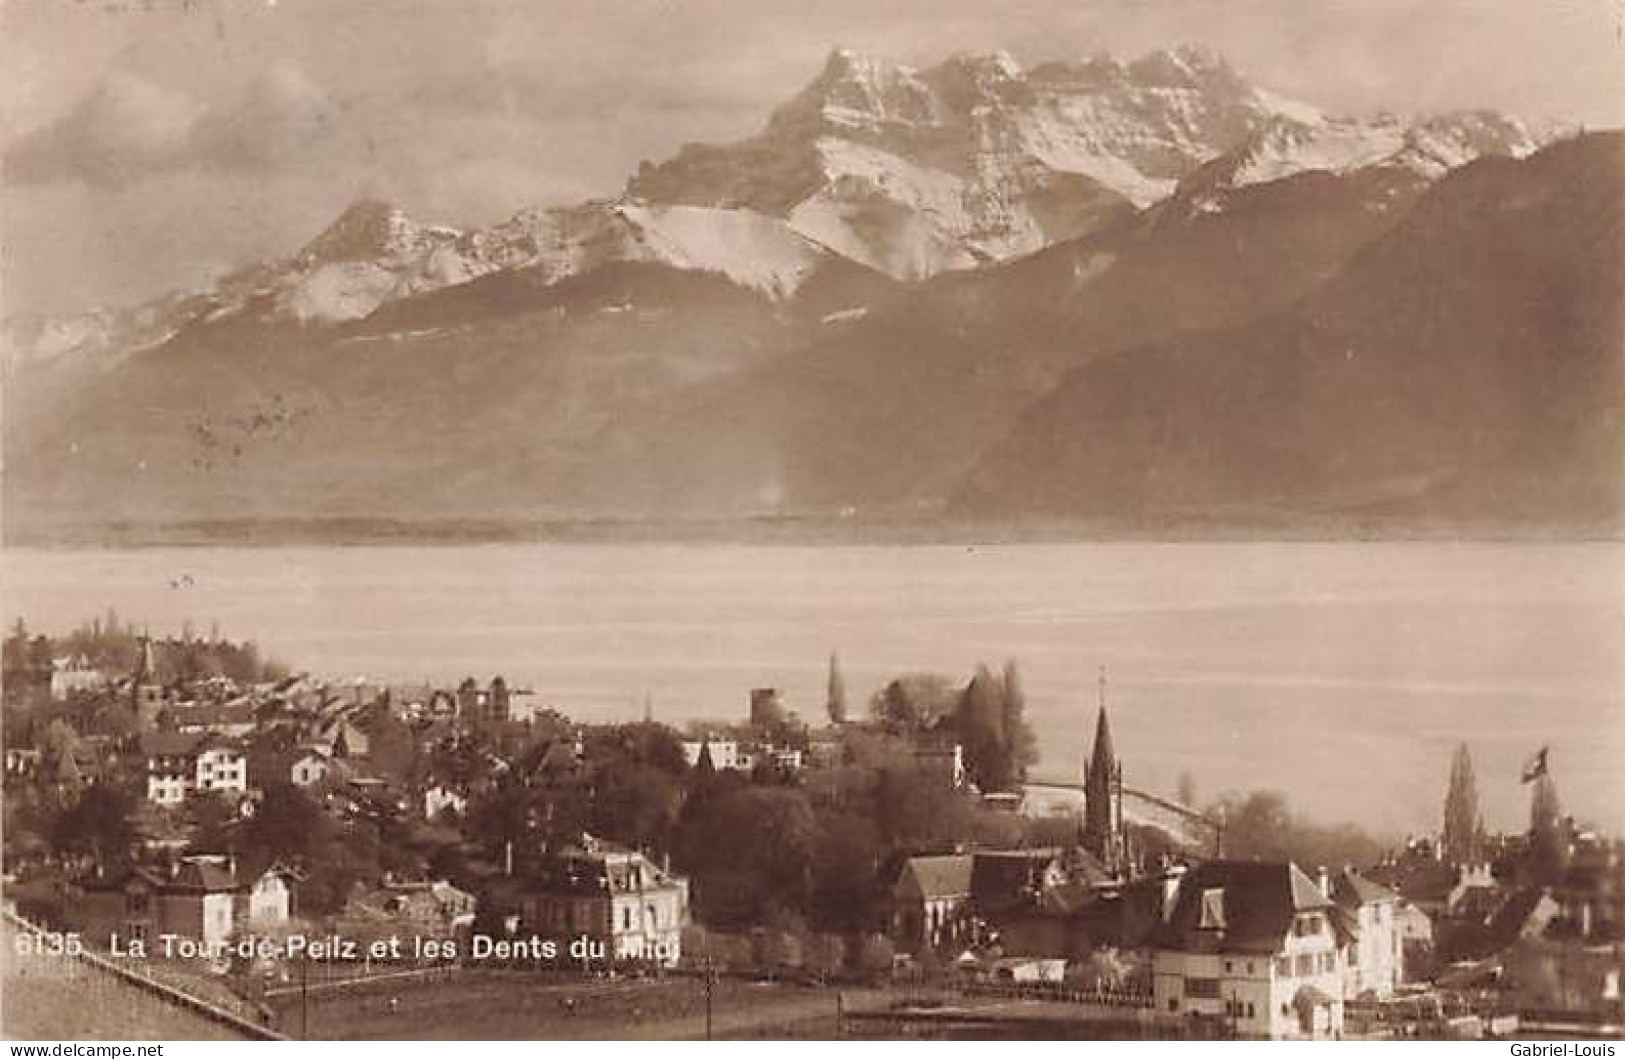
x=1058 y=992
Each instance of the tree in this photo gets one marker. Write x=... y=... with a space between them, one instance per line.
x=751 y=852
x=873 y=959
x=57 y=744
x=915 y=702
x=1261 y=826
x=16 y=647
x=1461 y=816
x=98 y=824
x=1185 y=793
x=836 y=703
x=212 y=821
x=980 y=722
x=1548 y=846
x=845 y=860
x=287 y=826
x=826 y=955
x=504 y=814
x=781 y=946
x=1020 y=744
x=637 y=805
x=1257 y=827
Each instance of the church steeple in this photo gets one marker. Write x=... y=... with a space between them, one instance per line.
x=1102 y=786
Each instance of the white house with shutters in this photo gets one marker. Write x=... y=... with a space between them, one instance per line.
x=1257 y=946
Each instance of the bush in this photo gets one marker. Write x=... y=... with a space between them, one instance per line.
x=872 y=959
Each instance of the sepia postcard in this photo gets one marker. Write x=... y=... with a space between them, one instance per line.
x=532 y=520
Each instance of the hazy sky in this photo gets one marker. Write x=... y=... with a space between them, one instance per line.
x=152 y=143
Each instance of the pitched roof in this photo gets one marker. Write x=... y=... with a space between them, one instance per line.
x=122 y=880
x=1254 y=913
x=1004 y=878
x=1418 y=878
x=191 y=877
x=940 y=876
x=202 y=877
x=217 y=715
x=1350 y=889
x=170 y=744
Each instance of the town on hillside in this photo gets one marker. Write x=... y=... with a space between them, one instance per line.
x=346 y=858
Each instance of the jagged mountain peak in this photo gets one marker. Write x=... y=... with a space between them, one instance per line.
x=995 y=65
x=974 y=159
x=1183 y=66
x=1411 y=150
x=912 y=170
x=368 y=228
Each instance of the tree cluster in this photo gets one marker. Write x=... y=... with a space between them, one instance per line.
x=987 y=716
x=1262 y=826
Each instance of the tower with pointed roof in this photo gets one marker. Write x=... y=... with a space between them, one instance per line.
x=147 y=693
x=1102 y=791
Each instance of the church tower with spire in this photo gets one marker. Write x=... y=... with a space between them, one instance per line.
x=1102 y=792
x=147 y=693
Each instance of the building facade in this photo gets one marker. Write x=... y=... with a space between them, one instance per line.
x=633 y=909
x=1375 y=957
x=1254 y=946
x=928 y=898
x=195 y=901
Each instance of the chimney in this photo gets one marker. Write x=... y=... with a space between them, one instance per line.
x=1324 y=881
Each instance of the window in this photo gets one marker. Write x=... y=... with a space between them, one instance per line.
x=1212 y=910
x=1202 y=988
x=1249 y=1009
x=1173 y=1003
x=1283 y=966
x=1228 y=966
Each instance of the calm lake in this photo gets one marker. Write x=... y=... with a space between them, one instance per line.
x=1342 y=675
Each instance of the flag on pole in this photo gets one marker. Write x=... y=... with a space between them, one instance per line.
x=1535 y=767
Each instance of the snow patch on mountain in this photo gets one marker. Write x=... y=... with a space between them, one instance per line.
x=975 y=159
x=751 y=249
x=1407 y=150
x=909 y=170
x=1290 y=147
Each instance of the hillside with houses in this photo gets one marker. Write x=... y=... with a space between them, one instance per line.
x=170 y=798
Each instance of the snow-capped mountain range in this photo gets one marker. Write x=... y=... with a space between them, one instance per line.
x=911 y=172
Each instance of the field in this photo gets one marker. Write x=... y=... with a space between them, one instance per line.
x=45 y=997
x=496 y=1005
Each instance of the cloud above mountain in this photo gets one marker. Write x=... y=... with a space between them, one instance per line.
x=207 y=111
x=129 y=128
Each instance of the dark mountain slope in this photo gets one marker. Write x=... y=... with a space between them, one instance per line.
x=887 y=413
x=1467 y=368
x=455 y=411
